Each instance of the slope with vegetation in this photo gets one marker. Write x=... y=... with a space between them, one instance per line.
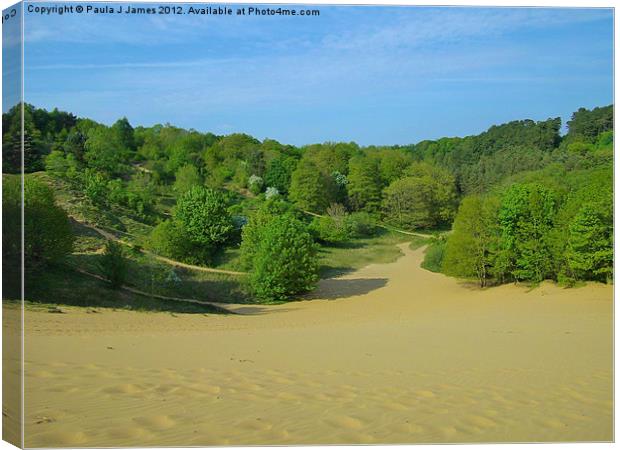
x=147 y=208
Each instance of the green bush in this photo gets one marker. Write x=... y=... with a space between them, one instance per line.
x=252 y=231
x=335 y=228
x=170 y=239
x=95 y=186
x=204 y=215
x=285 y=262
x=113 y=264
x=362 y=224
x=47 y=229
x=434 y=254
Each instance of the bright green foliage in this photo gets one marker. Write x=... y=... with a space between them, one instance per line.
x=364 y=184
x=424 y=199
x=204 y=215
x=586 y=125
x=124 y=132
x=105 y=151
x=170 y=239
x=186 y=178
x=95 y=186
x=286 y=262
x=469 y=250
x=434 y=254
x=251 y=234
x=408 y=203
x=471 y=160
x=43 y=132
x=279 y=173
x=331 y=157
x=362 y=224
x=526 y=217
x=392 y=163
x=334 y=228
x=113 y=264
x=590 y=244
x=256 y=184
x=61 y=165
x=311 y=189
x=47 y=229
x=443 y=197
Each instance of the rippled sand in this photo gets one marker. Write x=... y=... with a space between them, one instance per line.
x=391 y=354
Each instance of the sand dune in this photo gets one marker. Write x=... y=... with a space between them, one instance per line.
x=388 y=354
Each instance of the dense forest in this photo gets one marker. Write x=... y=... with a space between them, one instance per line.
x=518 y=202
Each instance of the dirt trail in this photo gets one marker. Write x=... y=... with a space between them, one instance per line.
x=388 y=354
x=111 y=237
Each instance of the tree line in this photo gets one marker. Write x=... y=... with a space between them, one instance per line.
x=524 y=202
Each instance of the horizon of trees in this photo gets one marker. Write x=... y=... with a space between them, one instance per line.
x=525 y=202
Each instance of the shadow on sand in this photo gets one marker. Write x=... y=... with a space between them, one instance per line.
x=334 y=288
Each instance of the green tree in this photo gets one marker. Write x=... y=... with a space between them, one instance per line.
x=279 y=172
x=364 y=184
x=590 y=249
x=95 y=185
x=470 y=248
x=124 y=132
x=169 y=239
x=113 y=264
x=286 y=262
x=252 y=232
x=526 y=218
x=105 y=152
x=204 y=215
x=186 y=178
x=334 y=228
x=408 y=203
x=48 y=237
x=311 y=189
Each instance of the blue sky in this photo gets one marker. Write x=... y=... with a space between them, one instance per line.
x=374 y=75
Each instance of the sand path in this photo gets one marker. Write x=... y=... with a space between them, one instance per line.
x=390 y=354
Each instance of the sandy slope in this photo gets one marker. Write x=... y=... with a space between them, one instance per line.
x=392 y=354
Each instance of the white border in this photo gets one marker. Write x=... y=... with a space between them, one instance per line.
x=487 y=3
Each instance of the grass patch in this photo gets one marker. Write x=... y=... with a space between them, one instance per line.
x=379 y=249
x=63 y=286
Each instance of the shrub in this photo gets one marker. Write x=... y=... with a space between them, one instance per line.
x=204 y=216
x=185 y=178
x=433 y=255
x=362 y=224
x=169 y=239
x=95 y=186
x=335 y=228
x=113 y=264
x=47 y=230
x=255 y=183
x=285 y=262
x=271 y=192
x=252 y=231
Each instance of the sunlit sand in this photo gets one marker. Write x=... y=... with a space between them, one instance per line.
x=388 y=354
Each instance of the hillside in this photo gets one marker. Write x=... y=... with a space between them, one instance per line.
x=164 y=213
